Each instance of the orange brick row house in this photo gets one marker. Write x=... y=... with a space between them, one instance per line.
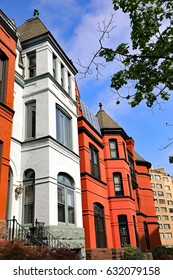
x=116 y=191
x=7 y=65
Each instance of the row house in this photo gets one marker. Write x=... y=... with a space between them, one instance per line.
x=44 y=179
x=117 y=198
x=8 y=40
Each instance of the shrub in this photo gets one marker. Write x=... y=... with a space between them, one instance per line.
x=162 y=253
x=10 y=250
x=133 y=253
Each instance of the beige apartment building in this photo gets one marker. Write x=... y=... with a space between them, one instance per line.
x=162 y=186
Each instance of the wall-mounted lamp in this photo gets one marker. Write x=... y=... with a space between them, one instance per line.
x=18 y=190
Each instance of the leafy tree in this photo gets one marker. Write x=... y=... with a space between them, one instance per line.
x=148 y=59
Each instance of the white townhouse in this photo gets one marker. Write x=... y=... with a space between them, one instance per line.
x=44 y=179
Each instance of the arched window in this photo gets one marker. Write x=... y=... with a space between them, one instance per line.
x=66 y=209
x=28 y=205
x=99 y=225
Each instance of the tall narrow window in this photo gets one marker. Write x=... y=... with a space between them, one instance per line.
x=28 y=183
x=31 y=119
x=147 y=238
x=129 y=185
x=69 y=83
x=94 y=162
x=3 y=73
x=132 y=170
x=113 y=148
x=118 y=186
x=62 y=75
x=32 y=64
x=63 y=127
x=123 y=229
x=54 y=66
x=124 y=149
x=66 y=210
x=136 y=233
x=99 y=225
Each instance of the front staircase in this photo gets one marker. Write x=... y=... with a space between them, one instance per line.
x=36 y=235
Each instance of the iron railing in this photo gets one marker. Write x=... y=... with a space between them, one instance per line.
x=36 y=235
x=15 y=231
x=47 y=238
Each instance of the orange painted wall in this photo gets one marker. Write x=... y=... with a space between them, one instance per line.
x=93 y=190
x=7 y=46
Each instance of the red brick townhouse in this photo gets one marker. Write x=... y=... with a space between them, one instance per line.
x=117 y=198
x=8 y=40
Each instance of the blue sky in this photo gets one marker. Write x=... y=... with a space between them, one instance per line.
x=74 y=25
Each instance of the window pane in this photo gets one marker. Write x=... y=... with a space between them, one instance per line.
x=61 y=196
x=32 y=65
x=63 y=126
x=94 y=163
x=113 y=148
x=28 y=182
x=118 y=185
x=70 y=203
x=99 y=226
x=61 y=213
x=31 y=119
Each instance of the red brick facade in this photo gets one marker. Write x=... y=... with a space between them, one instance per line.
x=121 y=188
x=7 y=59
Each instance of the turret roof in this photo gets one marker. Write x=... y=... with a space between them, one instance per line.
x=31 y=28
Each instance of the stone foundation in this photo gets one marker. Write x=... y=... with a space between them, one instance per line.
x=71 y=237
x=109 y=254
x=3 y=229
x=99 y=254
x=117 y=254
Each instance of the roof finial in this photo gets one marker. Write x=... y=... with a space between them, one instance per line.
x=100 y=105
x=36 y=13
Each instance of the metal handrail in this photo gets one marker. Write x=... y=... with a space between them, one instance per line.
x=15 y=231
x=48 y=238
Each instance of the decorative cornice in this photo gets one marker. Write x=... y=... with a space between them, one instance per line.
x=90 y=125
x=115 y=131
x=83 y=129
x=7 y=108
